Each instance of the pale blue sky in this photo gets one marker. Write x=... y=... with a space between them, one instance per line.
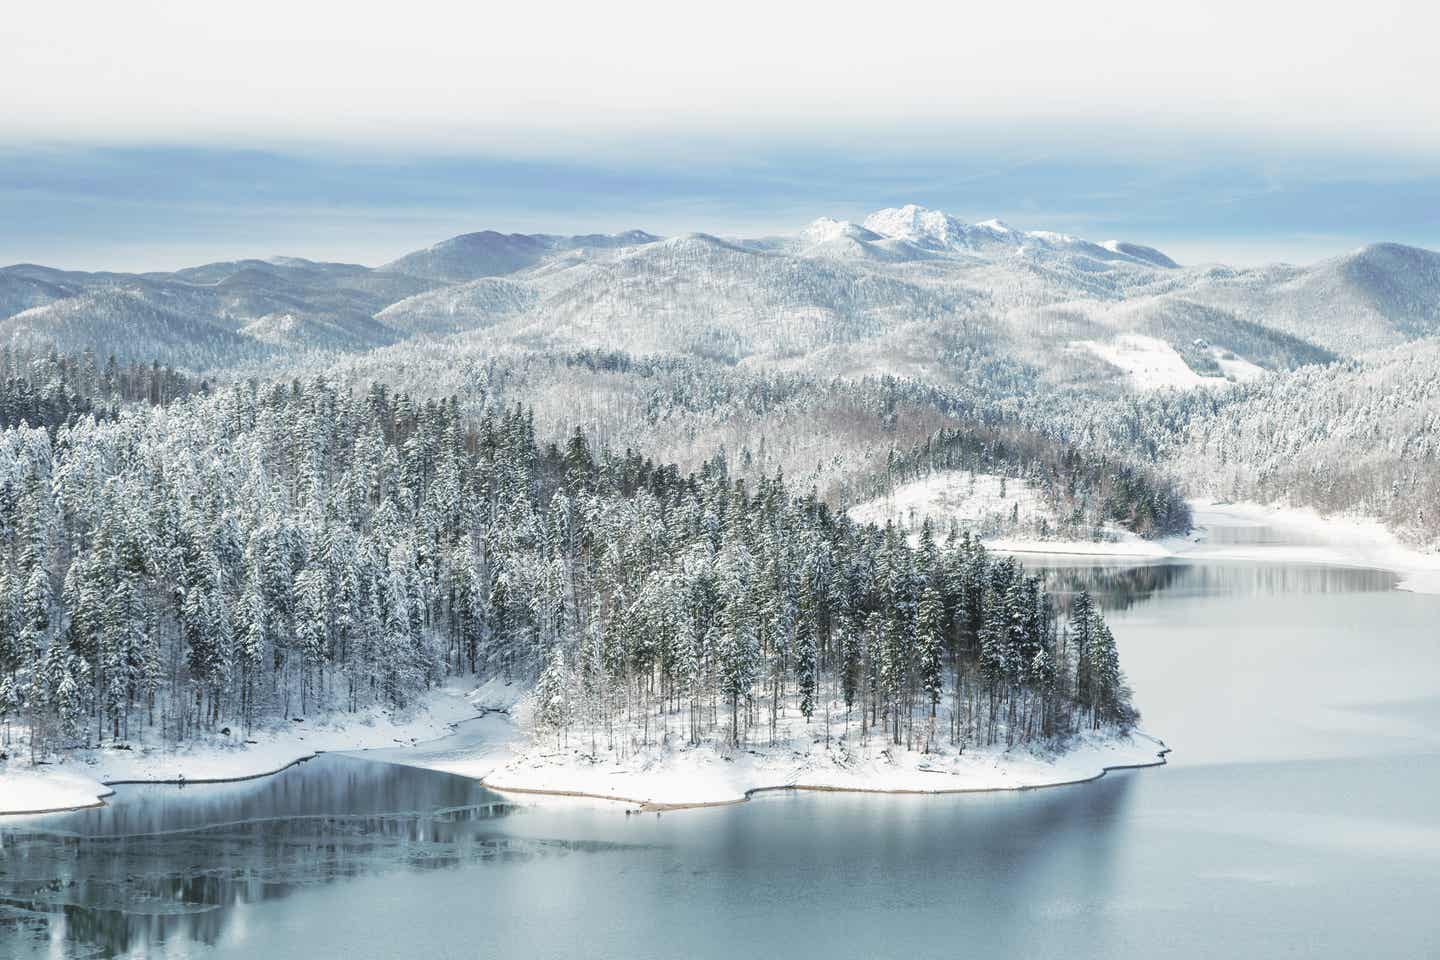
x=151 y=135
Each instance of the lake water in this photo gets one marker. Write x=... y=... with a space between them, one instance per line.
x=1298 y=817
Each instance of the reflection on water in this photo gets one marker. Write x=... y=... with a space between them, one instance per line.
x=1234 y=534
x=165 y=868
x=1121 y=587
x=161 y=861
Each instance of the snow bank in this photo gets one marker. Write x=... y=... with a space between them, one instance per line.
x=669 y=771
x=679 y=775
x=43 y=789
x=84 y=775
x=445 y=734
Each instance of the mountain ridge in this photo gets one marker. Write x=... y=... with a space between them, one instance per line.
x=834 y=297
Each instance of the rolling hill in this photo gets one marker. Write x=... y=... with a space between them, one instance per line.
x=908 y=291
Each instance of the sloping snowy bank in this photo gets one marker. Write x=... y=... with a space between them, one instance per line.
x=84 y=777
x=1290 y=536
x=678 y=775
x=670 y=772
x=449 y=733
x=45 y=788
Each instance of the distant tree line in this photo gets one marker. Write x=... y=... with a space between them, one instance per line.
x=1359 y=436
x=1087 y=490
x=51 y=389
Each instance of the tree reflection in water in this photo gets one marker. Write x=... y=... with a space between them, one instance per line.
x=161 y=862
x=1120 y=585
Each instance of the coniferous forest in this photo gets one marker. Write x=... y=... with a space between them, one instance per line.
x=240 y=556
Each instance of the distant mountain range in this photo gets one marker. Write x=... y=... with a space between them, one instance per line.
x=907 y=291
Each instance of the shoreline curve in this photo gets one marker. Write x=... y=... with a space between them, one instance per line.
x=648 y=806
x=642 y=806
x=177 y=782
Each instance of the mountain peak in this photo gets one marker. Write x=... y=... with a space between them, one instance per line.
x=922 y=226
x=826 y=229
x=937 y=230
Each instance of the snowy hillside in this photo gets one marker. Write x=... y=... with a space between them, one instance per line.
x=489 y=254
x=909 y=291
x=1379 y=296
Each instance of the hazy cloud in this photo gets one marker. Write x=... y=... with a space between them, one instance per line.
x=149 y=134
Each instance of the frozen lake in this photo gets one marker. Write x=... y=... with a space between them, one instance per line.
x=1297 y=818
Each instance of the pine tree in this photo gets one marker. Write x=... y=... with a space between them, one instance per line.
x=805 y=664
x=1082 y=635
x=929 y=628
x=1108 y=698
x=260 y=545
x=552 y=706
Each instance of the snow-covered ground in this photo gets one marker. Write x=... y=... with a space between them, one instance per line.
x=1291 y=536
x=498 y=749
x=981 y=502
x=81 y=779
x=1236 y=368
x=679 y=775
x=1152 y=364
x=28 y=789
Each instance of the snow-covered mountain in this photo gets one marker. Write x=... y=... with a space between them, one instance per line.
x=471 y=256
x=285 y=302
x=907 y=291
x=459 y=306
x=937 y=231
x=1378 y=296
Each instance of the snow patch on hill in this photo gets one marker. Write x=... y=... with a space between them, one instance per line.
x=1236 y=367
x=39 y=789
x=984 y=503
x=1150 y=364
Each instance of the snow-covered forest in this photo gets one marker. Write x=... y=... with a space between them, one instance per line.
x=1356 y=437
x=262 y=552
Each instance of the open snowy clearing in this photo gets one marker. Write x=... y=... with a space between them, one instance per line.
x=82 y=779
x=1294 y=536
x=1152 y=364
x=678 y=775
x=978 y=501
x=1237 y=368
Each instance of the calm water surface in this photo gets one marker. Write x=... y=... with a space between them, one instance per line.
x=1298 y=818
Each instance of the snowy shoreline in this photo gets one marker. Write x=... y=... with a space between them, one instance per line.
x=504 y=759
x=1334 y=541
x=689 y=785
x=87 y=778
x=667 y=779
